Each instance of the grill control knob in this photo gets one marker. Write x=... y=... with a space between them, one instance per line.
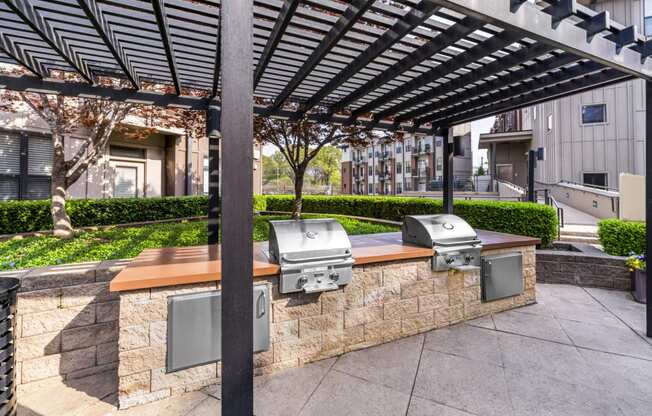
x=469 y=258
x=335 y=276
x=450 y=260
x=302 y=281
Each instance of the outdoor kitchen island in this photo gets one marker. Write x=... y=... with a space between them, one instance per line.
x=394 y=293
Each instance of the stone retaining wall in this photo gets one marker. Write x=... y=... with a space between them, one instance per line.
x=383 y=303
x=583 y=269
x=67 y=321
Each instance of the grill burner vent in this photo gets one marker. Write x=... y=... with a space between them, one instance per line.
x=455 y=243
x=314 y=255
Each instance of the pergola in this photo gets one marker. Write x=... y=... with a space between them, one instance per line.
x=418 y=66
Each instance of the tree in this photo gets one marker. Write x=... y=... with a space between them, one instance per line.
x=301 y=141
x=326 y=166
x=480 y=171
x=64 y=115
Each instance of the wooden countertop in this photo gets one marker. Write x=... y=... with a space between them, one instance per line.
x=187 y=265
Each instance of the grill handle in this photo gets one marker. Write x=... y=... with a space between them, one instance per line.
x=307 y=259
x=462 y=243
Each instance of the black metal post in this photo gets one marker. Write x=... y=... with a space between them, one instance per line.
x=648 y=195
x=494 y=154
x=237 y=207
x=448 y=171
x=213 y=133
x=24 y=161
x=531 y=164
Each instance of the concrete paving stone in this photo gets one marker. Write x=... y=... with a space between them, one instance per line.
x=209 y=407
x=342 y=394
x=182 y=404
x=484 y=322
x=559 y=361
x=392 y=365
x=538 y=308
x=607 y=339
x=623 y=376
x=633 y=407
x=286 y=392
x=584 y=312
x=471 y=386
x=534 y=394
x=573 y=294
x=423 y=407
x=466 y=341
x=612 y=298
x=537 y=326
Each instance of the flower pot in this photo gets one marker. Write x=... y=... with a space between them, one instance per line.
x=639 y=283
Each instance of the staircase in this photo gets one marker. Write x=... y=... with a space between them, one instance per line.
x=586 y=234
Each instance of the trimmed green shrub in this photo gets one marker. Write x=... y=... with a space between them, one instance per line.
x=521 y=218
x=28 y=216
x=620 y=238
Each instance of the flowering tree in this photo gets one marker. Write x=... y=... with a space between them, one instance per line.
x=301 y=141
x=63 y=115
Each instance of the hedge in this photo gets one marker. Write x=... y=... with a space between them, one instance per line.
x=521 y=218
x=620 y=238
x=27 y=216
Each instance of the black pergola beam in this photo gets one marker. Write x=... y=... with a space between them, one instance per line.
x=164 y=31
x=433 y=47
x=533 y=84
x=530 y=22
x=94 y=15
x=14 y=51
x=565 y=89
x=447 y=192
x=28 y=14
x=473 y=90
x=467 y=81
x=237 y=208
x=415 y=17
x=356 y=9
x=282 y=22
x=218 y=62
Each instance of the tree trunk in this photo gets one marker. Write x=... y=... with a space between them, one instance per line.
x=60 y=219
x=298 y=193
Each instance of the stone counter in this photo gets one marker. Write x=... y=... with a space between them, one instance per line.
x=384 y=302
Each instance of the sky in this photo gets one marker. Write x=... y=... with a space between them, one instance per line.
x=477 y=128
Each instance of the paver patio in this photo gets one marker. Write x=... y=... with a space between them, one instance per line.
x=577 y=352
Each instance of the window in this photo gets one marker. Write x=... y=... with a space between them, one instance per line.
x=25 y=166
x=549 y=123
x=371 y=188
x=598 y=180
x=534 y=112
x=130 y=152
x=126 y=178
x=399 y=188
x=370 y=170
x=594 y=114
x=648 y=18
x=438 y=141
x=399 y=168
x=440 y=163
x=206 y=175
x=398 y=150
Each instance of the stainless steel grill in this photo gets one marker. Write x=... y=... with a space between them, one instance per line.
x=453 y=240
x=314 y=255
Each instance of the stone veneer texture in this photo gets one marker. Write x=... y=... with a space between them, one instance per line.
x=384 y=302
x=67 y=321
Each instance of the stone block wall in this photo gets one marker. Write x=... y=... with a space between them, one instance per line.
x=67 y=321
x=384 y=302
x=583 y=269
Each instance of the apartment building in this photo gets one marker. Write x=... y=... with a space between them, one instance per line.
x=155 y=165
x=413 y=165
x=589 y=138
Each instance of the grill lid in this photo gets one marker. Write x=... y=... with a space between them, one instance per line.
x=307 y=240
x=438 y=230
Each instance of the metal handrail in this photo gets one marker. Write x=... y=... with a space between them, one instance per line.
x=550 y=200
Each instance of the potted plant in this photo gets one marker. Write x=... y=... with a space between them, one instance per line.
x=638 y=267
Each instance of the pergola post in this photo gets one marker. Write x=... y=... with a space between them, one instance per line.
x=448 y=171
x=531 y=164
x=213 y=134
x=648 y=195
x=237 y=210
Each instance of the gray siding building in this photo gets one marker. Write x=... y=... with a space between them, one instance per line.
x=589 y=138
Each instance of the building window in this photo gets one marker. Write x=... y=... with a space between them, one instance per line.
x=25 y=166
x=438 y=142
x=408 y=169
x=128 y=152
x=440 y=163
x=399 y=168
x=598 y=180
x=399 y=188
x=371 y=188
x=399 y=150
x=534 y=112
x=126 y=179
x=648 y=18
x=549 y=123
x=370 y=170
x=594 y=114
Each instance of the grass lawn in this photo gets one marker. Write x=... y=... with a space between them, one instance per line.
x=124 y=243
